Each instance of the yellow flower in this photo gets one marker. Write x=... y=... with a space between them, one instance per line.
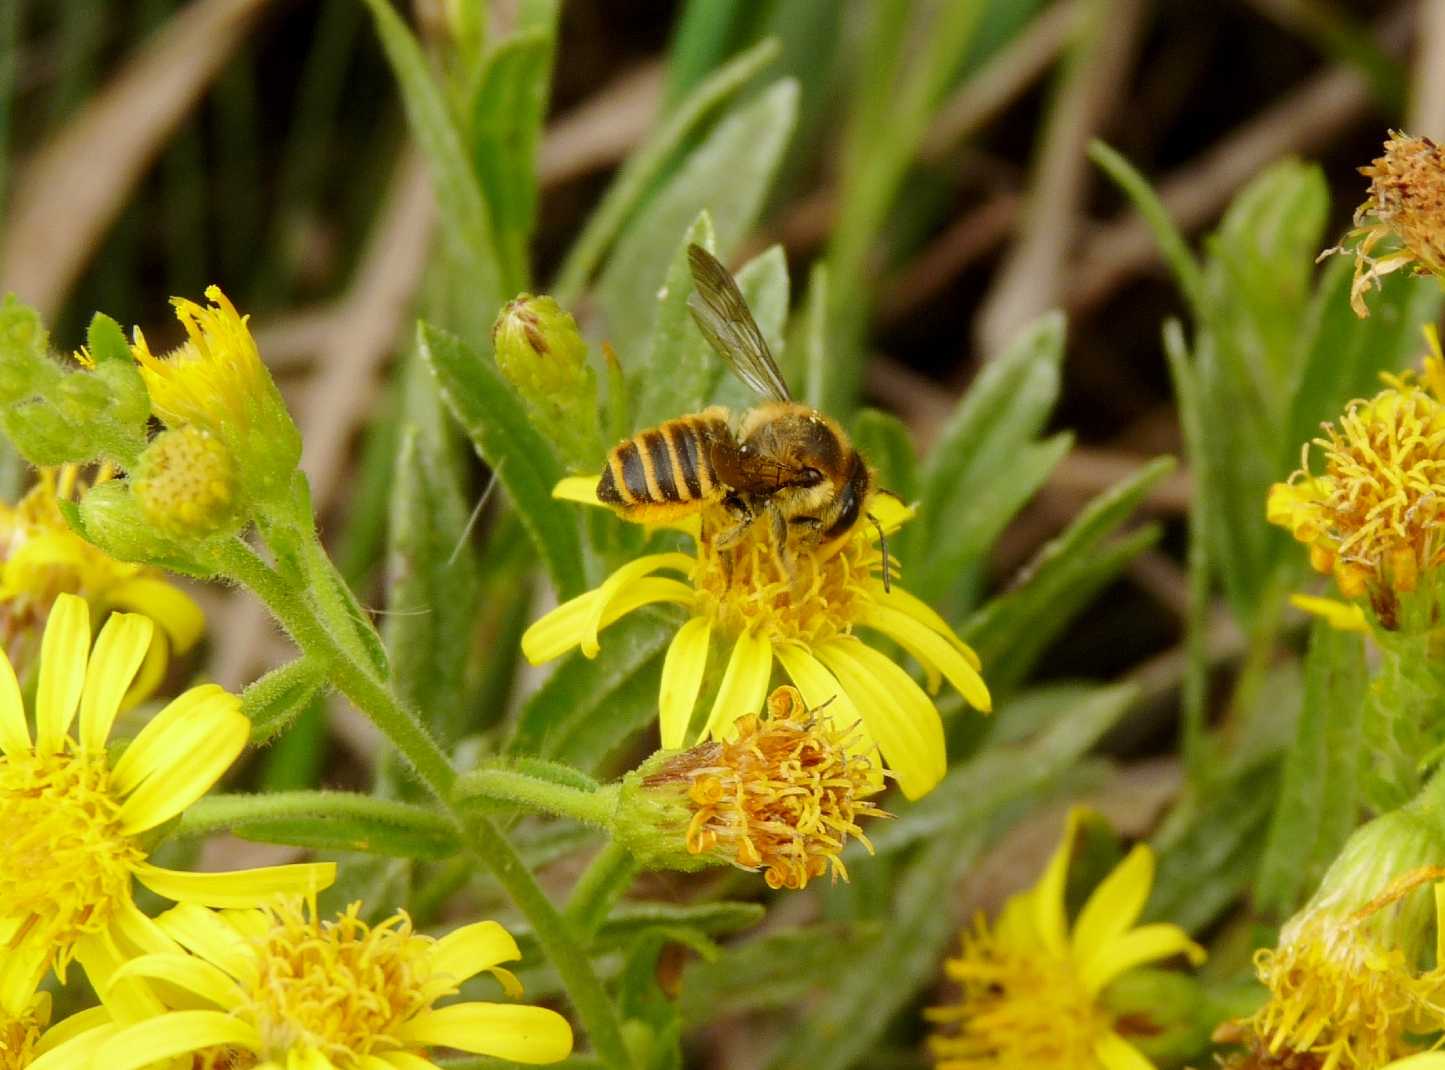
x=215 y=381
x=40 y=557
x=782 y=796
x=1033 y=988
x=806 y=621
x=1406 y=201
x=74 y=822
x=1341 y=990
x=296 y=993
x=1373 y=518
x=29 y=1042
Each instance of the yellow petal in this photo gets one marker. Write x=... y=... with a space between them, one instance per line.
x=577 y=489
x=1114 y=905
x=117 y=655
x=891 y=511
x=72 y=1026
x=200 y=751
x=620 y=585
x=73 y=1052
x=1046 y=899
x=195 y=975
x=14 y=732
x=523 y=1034
x=822 y=691
x=578 y=620
x=63 y=654
x=901 y=600
x=137 y=934
x=744 y=684
x=467 y=951
x=127 y=1001
x=170 y=607
x=1148 y=943
x=237 y=887
x=931 y=651
x=21 y=969
x=152 y=672
x=682 y=672
x=1116 y=1053
x=1342 y=616
x=896 y=713
x=175 y=1033
x=559 y=630
x=149 y=751
x=203 y=933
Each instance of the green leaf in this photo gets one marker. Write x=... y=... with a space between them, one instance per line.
x=676 y=344
x=283 y=694
x=775 y=971
x=1342 y=355
x=329 y=820
x=997 y=420
x=886 y=443
x=633 y=918
x=728 y=175
x=507 y=114
x=764 y=283
x=636 y=178
x=433 y=584
x=1014 y=629
x=816 y=348
x=1319 y=791
x=435 y=128
x=587 y=707
x=519 y=457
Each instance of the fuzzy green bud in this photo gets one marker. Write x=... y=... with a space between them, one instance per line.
x=110 y=517
x=654 y=812
x=542 y=354
x=185 y=483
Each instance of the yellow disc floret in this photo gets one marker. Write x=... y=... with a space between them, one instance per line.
x=186 y=483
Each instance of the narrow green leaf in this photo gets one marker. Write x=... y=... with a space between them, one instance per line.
x=636 y=178
x=816 y=349
x=587 y=707
x=328 y=820
x=432 y=577
x=283 y=694
x=885 y=442
x=728 y=174
x=435 y=128
x=520 y=459
x=633 y=918
x=1319 y=791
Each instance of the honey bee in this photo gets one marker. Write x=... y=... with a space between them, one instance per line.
x=786 y=463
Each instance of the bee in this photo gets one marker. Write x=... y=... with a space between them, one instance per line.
x=787 y=463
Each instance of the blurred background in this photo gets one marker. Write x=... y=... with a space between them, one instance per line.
x=153 y=147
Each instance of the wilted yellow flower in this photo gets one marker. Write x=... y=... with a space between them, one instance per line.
x=73 y=822
x=782 y=794
x=41 y=558
x=283 y=990
x=215 y=381
x=1406 y=201
x=1373 y=517
x=806 y=620
x=1033 y=988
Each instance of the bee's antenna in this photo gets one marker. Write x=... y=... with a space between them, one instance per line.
x=883 y=545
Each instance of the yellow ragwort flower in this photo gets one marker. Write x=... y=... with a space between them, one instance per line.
x=29 y=1042
x=279 y=989
x=1407 y=202
x=783 y=794
x=74 y=821
x=805 y=620
x=215 y=381
x=1033 y=989
x=1373 y=517
x=41 y=557
x=1343 y=993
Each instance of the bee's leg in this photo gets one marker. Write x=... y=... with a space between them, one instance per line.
x=737 y=507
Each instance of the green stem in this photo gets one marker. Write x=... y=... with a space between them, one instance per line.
x=356 y=679
x=534 y=793
x=607 y=876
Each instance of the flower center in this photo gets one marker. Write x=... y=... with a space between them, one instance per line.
x=65 y=864
x=808 y=598
x=1336 y=995
x=1407 y=188
x=1018 y=1008
x=782 y=796
x=1386 y=463
x=341 y=988
x=19 y=1036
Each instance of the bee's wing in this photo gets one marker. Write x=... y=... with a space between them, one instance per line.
x=726 y=322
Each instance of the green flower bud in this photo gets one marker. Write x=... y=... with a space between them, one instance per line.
x=185 y=483
x=110 y=517
x=542 y=354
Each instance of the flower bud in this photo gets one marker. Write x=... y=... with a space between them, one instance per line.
x=185 y=483
x=542 y=354
x=110 y=517
x=781 y=796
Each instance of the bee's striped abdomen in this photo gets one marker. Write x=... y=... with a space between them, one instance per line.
x=668 y=465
